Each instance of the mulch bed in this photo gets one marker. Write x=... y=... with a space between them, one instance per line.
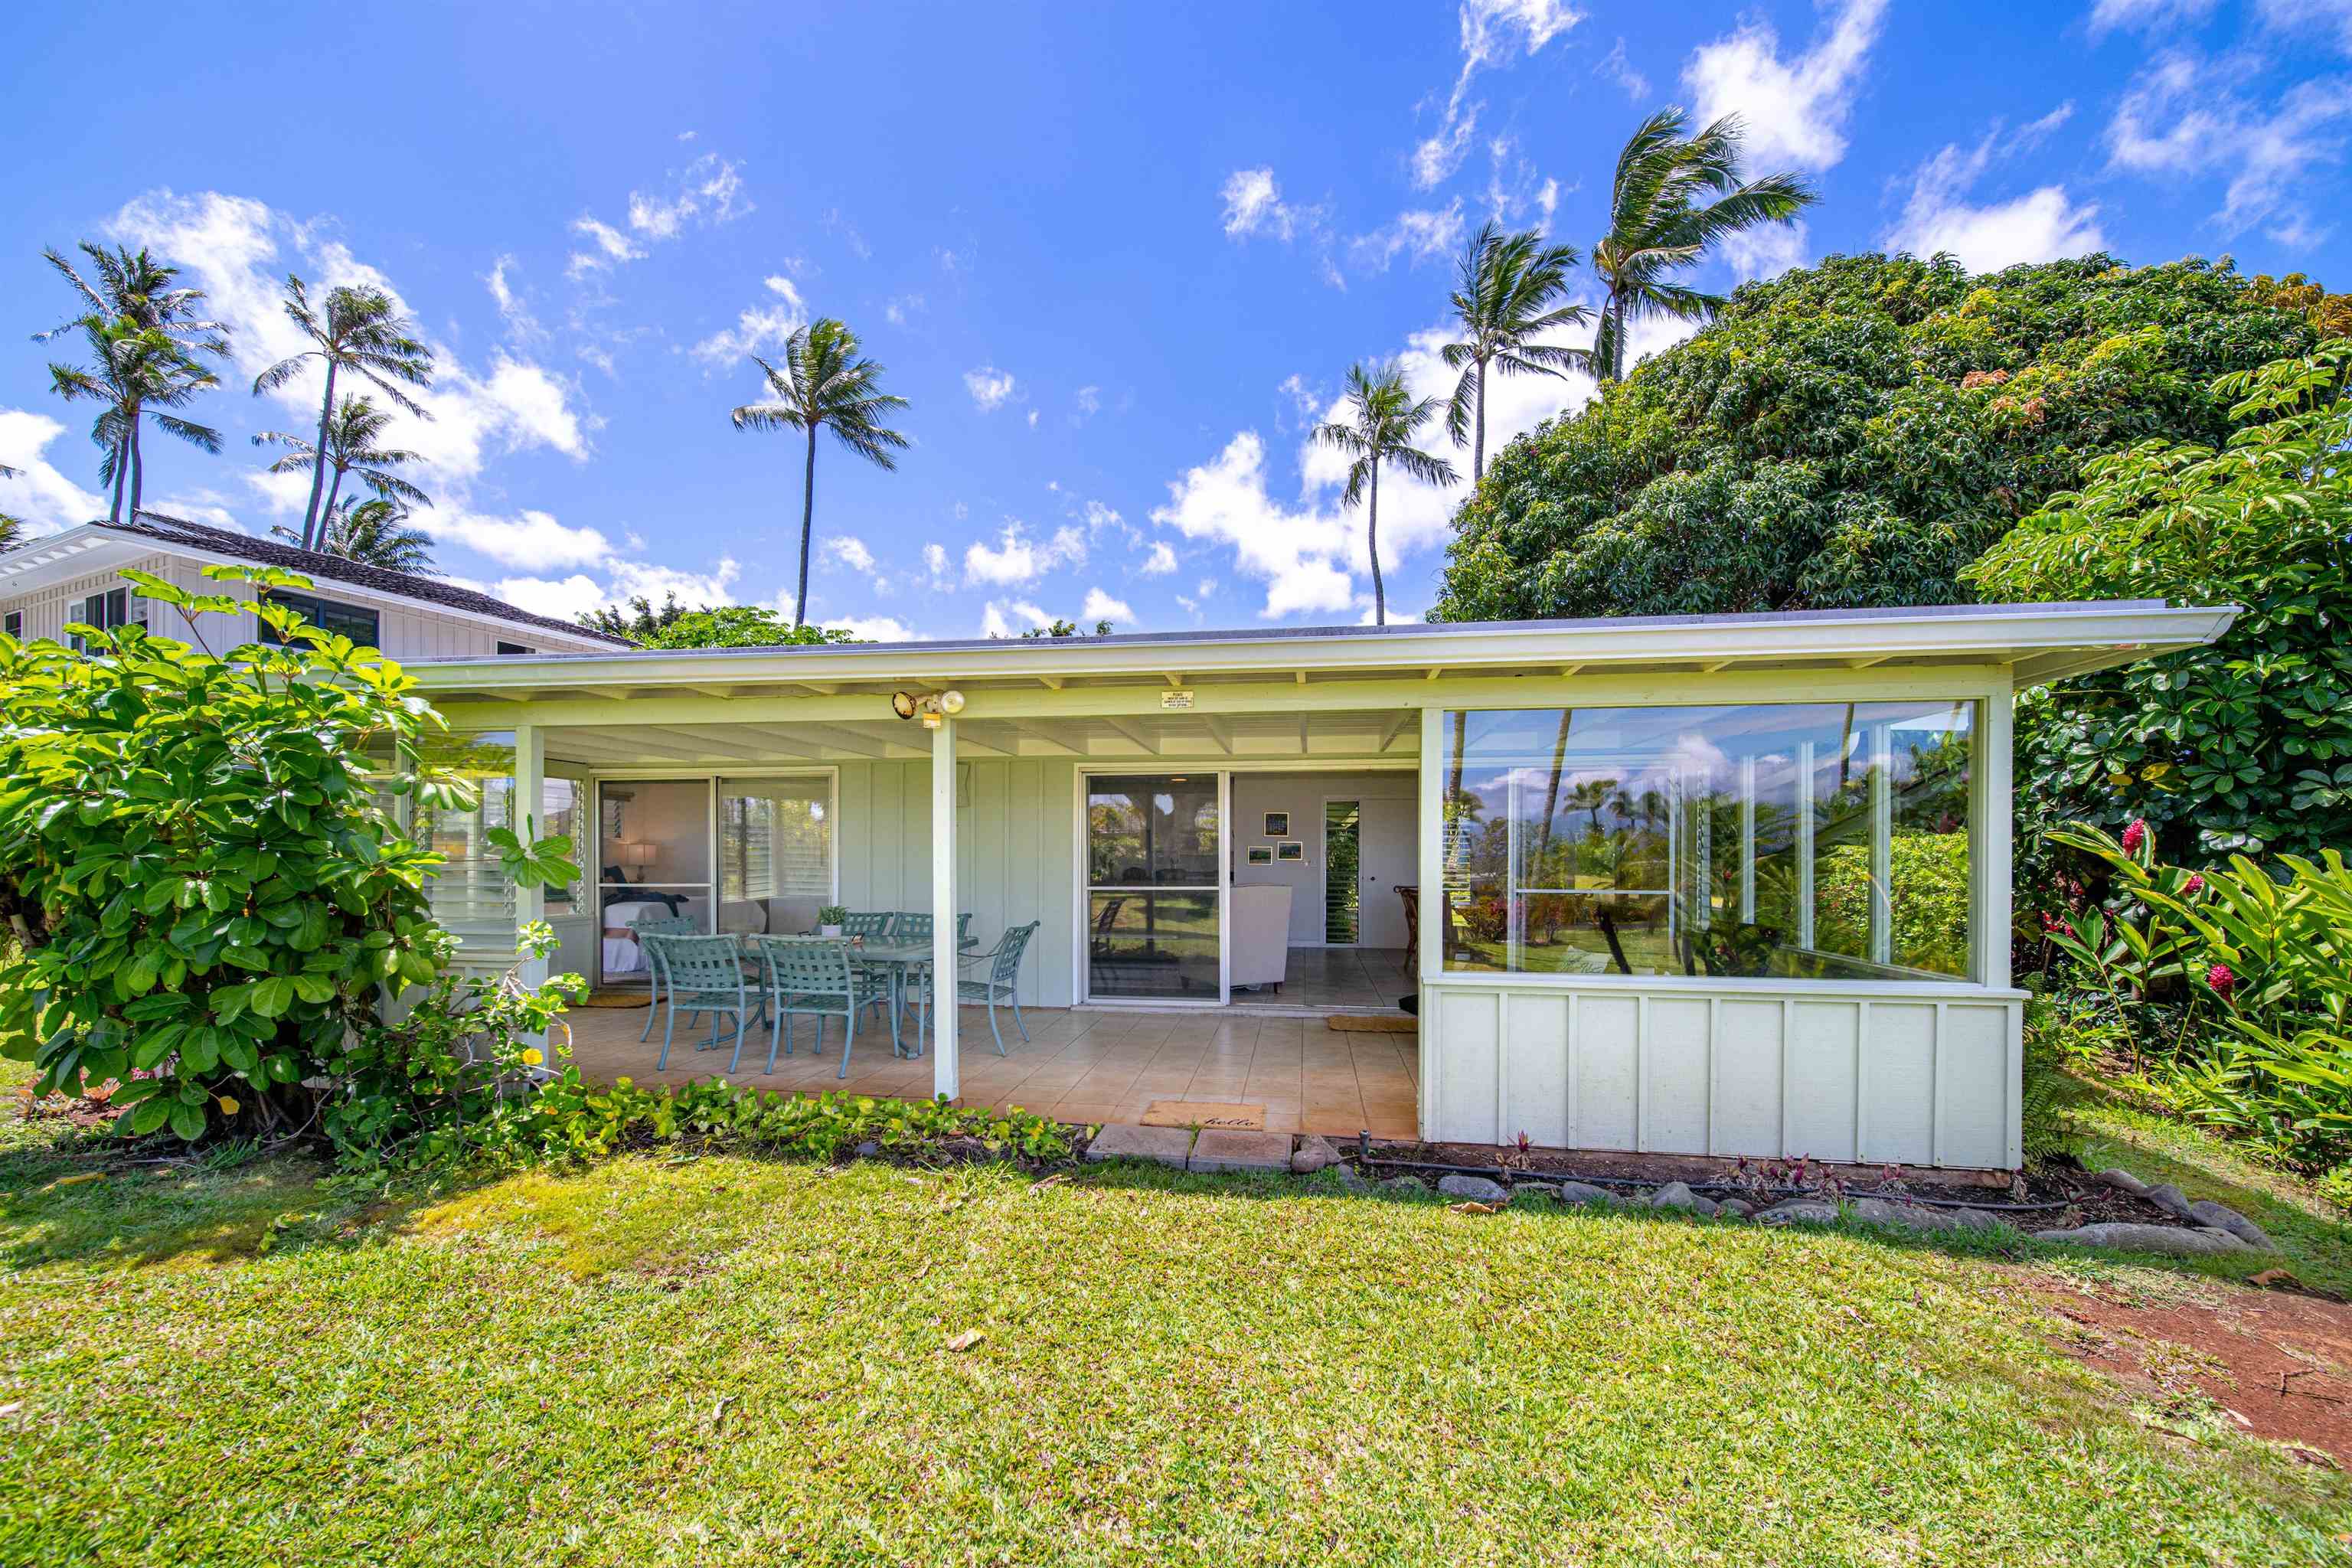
x=2278 y=1361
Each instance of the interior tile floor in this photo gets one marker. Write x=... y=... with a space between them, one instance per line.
x=1370 y=978
x=1079 y=1065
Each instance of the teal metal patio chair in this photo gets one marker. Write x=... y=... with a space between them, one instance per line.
x=873 y=924
x=703 y=975
x=659 y=925
x=1002 y=983
x=818 y=976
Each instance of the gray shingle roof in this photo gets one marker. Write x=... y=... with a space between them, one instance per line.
x=315 y=564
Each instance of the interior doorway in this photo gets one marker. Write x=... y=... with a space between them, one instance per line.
x=1318 y=859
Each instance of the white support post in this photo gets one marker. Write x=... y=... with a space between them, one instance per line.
x=1989 y=804
x=1882 y=843
x=945 y=1079
x=1748 y=840
x=527 y=818
x=1434 y=911
x=1805 y=844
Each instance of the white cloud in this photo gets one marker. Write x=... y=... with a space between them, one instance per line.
x=710 y=188
x=529 y=538
x=2304 y=16
x=1101 y=607
x=1619 y=69
x=875 y=628
x=2040 y=225
x=897 y=312
x=1766 y=252
x=612 y=246
x=518 y=319
x=848 y=549
x=1254 y=206
x=2186 y=115
x=38 y=494
x=935 y=562
x=1089 y=402
x=1012 y=618
x=566 y=597
x=2140 y=15
x=990 y=387
x=1160 y=561
x=1426 y=236
x=1017 y=558
x=1492 y=31
x=758 y=329
x=1796 y=110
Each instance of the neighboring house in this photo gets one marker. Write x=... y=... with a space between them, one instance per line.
x=77 y=575
x=1733 y=885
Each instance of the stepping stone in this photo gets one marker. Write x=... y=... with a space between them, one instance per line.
x=1163 y=1146
x=1477 y=1189
x=1221 y=1149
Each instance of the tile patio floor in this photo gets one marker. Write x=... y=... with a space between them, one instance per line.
x=1370 y=978
x=1081 y=1065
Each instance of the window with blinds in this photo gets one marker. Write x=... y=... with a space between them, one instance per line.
x=775 y=838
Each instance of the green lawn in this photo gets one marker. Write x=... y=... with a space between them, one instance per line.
x=721 y=1361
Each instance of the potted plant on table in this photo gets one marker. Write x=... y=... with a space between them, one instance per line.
x=829 y=918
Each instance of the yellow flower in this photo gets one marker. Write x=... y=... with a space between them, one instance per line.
x=532 y=1057
x=227 y=1106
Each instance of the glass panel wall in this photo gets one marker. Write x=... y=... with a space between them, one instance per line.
x=652 y=861
x=1154 y=861
x=1795 y=840
x=470 y=894
x=775 y=853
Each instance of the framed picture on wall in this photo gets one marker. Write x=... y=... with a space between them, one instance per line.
x=1293 y=849
x=1278 y=824
x=1259 y=854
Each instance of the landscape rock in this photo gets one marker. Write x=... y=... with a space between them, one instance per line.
x=1535 y=1192
x=2173 y=1240
x=1351 y=1178
x=2123 y=1181
x=2221 y=1216
x=1678 y=1196
x=1403 y=1187
x=868 y=1149
x=1314 y=1152
x=1912 y=1216
x=1734 y=1208
x=2171 y=1200
x=1798 y=1211
x=1162 y=1145
x=1585 y=1192
x=1477 y=1189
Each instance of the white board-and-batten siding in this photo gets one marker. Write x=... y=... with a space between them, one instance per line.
x=1850 y=1076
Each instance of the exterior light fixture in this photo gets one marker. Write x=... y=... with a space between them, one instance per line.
x=903 y=704
x=952 y=701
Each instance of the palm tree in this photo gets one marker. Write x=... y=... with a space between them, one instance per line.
x=351 y=438
x=145 y=334
x=142 y=374
x=373 y=533
x=1383 y=423
x=1504 y=302
x=361 y=330
x=1659 y=222
x=824 y=384
x=10 y=527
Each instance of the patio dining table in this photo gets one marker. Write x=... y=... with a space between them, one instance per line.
x=903 y=959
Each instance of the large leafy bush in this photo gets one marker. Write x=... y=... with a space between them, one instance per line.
x=212 y=903
x=2245 y=744
x=1857 y=433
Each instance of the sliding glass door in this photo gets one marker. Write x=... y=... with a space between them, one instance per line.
x=653 y=860
x=1155 y=874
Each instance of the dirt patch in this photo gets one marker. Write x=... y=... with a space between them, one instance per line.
x=2279 y=1362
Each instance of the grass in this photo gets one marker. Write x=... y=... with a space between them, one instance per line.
x=721 y=1360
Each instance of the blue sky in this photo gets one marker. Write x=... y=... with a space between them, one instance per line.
x=1117 y=258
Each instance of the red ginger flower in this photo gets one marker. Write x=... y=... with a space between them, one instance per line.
x=2222 y=982
x=2135 y=836
x=2194 y=886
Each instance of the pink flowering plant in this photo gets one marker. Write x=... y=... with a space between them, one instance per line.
x=2247 y=971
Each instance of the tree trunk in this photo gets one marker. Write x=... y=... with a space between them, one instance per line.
x=138 y=471
x=318 y=463
x=1372 y=540
x=121 y=478
x=808 y=519
x=1478 y=451
x=327 y=512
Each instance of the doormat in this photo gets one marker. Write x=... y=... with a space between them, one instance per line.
x=1205 y=1113
x=1375 y=1023
x=614 y=997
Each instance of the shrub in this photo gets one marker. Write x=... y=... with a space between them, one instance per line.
x=209 y=895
